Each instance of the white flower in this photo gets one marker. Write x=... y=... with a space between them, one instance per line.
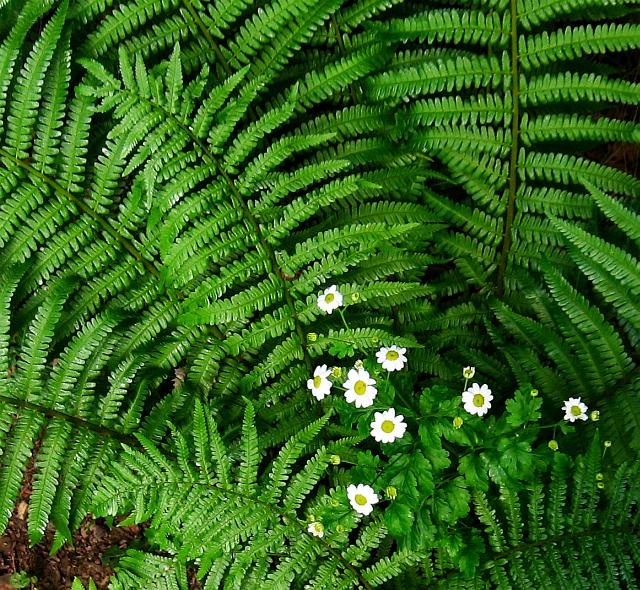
x=392 y=358
x=387 y=427
x=316 y=529
x=477 y=399
x=359 y=388
x=329 y=300
x=319 y=385
x=362 y=498
x=468 y=372
x=574 y=409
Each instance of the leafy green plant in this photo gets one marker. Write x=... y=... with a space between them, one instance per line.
x=179 y=182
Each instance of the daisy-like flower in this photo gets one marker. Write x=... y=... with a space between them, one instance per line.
x=574 y=409
x=319 y=385
x=387 y=427
x=392 y=358
x=316 y=529
x=362 y=498
x=329 y=300
x=359 y=388
x=477 y=399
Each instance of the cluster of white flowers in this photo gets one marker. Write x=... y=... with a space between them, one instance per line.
x=360 y=390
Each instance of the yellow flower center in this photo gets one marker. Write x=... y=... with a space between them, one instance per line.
x=317 y=381
x=478 y=400
x=317 y=527
x=329 y=297
x=392 y=355
x=360 y=500
x=360 y=387
x=576 y=411
x=387 y=426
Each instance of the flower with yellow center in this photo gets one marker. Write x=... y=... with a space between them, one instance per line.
x=359 y=388
x=316 y=529
x=477 y=399
x=362 y=498
x=319 y=384
x=388 y=427
x=392 y=358
x=329 y=300
x=574 y=410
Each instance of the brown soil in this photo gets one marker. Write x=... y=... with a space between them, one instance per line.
x=87 y=558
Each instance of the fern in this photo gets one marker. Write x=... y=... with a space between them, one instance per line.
x=178 y=181
x=262 y=524
x=504 y=96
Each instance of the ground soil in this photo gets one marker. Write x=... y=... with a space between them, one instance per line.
x=87 y=558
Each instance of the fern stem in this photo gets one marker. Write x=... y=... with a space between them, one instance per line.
x=207 y=35
x=336 y=30
x=75 y=420
x=85 y=209
x=513 y=160
x=240 y=202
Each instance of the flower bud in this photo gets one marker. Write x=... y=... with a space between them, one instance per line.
x=468 y=372
x=607 y=444
x=335 y=459
x=358 y=364
x=339 y=529
x=336 y=372
x=601 y=485
x=599 y=476
x=312 y=336
x=391 y=492
x=595 y=416
x=534 y=393
x=458 y=422
x=553 y=445
x=335 y=502
x=355 y=297
x=375 y=339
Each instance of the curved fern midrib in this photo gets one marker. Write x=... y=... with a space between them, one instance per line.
x=77 y=421
x=240 y=202
x=104 y=225
x=507 y=237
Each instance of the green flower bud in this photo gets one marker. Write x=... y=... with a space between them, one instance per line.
x=458 y=422
x=534 y=393
x=391 y=492
x=595 y=416
x=553 y=445
x=355 y=297
x=335 y=459
x=607 y=444
x=599 y=476
x=312 y=336
x=601 y=485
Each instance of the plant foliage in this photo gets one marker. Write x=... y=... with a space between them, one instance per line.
x=180 y=179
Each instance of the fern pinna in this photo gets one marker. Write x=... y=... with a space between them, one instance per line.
x=179 y=179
